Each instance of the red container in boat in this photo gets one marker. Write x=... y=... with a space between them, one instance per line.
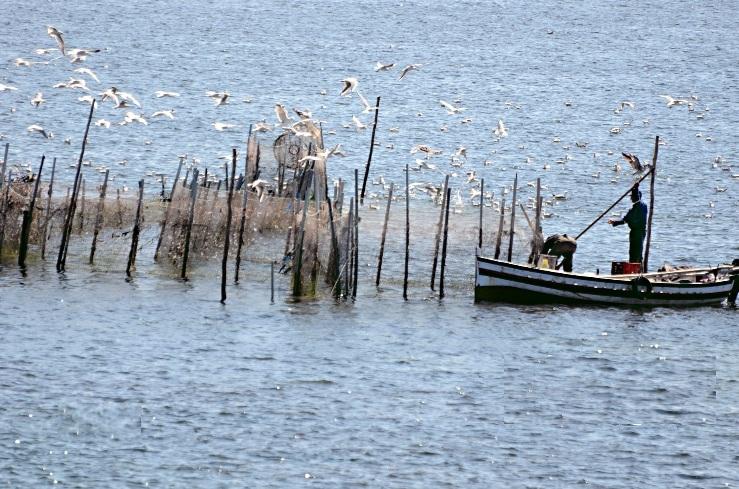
x=625 y=268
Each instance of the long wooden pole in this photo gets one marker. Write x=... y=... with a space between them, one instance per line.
x=645 y=263
x=443 y=248
x=47 y=217
x=437 y=239
x=99 y=217
x=356 y=233
x=298 y=252
x=482 y=195
x=190 y=218
x=227 y=239
x=513 y=218
x=242 y=224
x=62 y=258
x=166 y=211
x=28 y=219
x=499 y=237
x=372 y=147
x=407 y=234
x=649 y=172
x=5 y=165
x=135 y=233
x=384 y=233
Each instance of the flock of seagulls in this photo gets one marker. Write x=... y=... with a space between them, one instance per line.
x=83 y=79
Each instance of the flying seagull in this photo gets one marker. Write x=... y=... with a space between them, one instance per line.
x=55 y=34
x=634 y=162
x=408 y=69
x=281 y=114
x=383 y=67
x=38 y=99
x=40 y=130
x=350 y=84
x=88 y=72
x=451 y=109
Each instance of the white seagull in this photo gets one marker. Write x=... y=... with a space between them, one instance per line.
x=383 y=67
x=164 y=113
x=6 y=88
x=451 y=109
x=40 y=130
x=408 y=69
x=674 y=101
x=350 y=84
x=219 y=98
x=162 y=93
x=220 y=126
x=88 y=72
x=501 y=130
x=55 y=34
x=38 y=99
x=281 y=114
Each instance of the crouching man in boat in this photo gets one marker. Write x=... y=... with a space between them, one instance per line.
x=636 y=218
x=561 y=245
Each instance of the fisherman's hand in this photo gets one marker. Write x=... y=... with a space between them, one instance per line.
x=612 y=222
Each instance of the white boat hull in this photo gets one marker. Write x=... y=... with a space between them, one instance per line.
x=497 y=280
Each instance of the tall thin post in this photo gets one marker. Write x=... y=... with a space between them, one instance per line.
x=272 y=281
x=47 y=217
x=499 y=237
x=28 y=219
x=298 y=262
x=439 y=225
x=62 y=258
x=166 y=211
x=347 y=248
x=99 y=217
x=82 y=207
x=384 y=233
x=443 y=249
x=482 y=194
x=190 y=218
x=242 y=223
x=372 y=147
x=136 y=229
x=645 y=263
x=4 y=166
x=356 y=233
x=513 y=218
x=229 y=215
x=407 y=234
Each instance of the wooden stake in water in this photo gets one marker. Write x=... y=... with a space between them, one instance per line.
x=513 y=218
x=135 y=233
x=190 y=218
x=356 y=233
x=298 y=262
x=437 y=239
x=645 y=263
x=62 y=258
x=28 y=219
x=482 y=195
x=242 y=225
x=229 y=216
x=4 y=166
x=384 y=233
x=499 y=238
x=82 y=208
x=347 y=252
x=47 y=217
x=407 y=233
x=372 y=147
x=163 y=225
x=443 y=248
x=99 y=217
x=272 y=281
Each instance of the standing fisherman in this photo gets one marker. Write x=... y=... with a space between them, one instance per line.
x=636 y=218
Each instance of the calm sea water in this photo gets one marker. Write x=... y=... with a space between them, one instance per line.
x=108 y=383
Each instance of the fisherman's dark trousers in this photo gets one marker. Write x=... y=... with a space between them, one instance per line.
x=636 y=246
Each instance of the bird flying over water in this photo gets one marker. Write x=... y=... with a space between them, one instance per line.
x=220 y=126
x=383 y=67
x=633 y=160
x=408 y=69
x=4 y=88
x=55 y=34
x=162 y=93
x=350 y=84
x=38 y=99
x=219 y=98
x=674 y=101
x=281 y=114
x=40 y=130
x=501 y=130
x=88 y=72
x=164 y=113
x=451 y=109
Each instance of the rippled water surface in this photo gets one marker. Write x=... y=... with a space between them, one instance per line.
x=113 y=383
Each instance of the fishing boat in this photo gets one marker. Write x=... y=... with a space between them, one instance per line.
x=502 y=281
x=543 y=282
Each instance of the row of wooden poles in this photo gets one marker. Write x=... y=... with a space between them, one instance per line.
x=343 y=276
